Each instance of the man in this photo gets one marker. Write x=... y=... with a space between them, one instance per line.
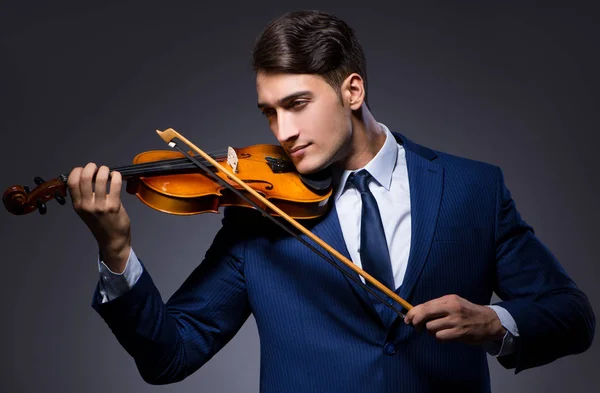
x=441 y=231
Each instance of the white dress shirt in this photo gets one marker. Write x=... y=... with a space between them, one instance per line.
x=390 y=188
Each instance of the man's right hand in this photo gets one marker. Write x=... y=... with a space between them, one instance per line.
x=102 y=212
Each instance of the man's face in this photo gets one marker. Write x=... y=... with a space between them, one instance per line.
x=307 y=118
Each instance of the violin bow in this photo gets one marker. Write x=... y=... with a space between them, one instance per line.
x=170 y=134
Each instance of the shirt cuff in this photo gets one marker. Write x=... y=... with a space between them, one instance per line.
x=508 y=343
x=113 y=285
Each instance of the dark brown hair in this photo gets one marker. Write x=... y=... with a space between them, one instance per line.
x=310 y=42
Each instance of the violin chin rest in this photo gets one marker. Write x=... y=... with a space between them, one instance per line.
x=318 y=181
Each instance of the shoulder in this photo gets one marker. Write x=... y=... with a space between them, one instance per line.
x=455 y=166
x=467 y=165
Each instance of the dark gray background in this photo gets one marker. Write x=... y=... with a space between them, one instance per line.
x=515 y=86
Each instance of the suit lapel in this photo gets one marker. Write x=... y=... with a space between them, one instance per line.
x=425 y=178
x=330 y=231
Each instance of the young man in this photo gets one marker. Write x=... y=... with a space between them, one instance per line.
x=441 y=231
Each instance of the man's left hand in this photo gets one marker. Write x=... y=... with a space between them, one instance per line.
x=452 y=318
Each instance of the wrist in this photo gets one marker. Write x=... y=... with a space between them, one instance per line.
x=115 y=256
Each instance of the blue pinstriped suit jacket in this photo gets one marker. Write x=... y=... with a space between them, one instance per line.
x=319 y=332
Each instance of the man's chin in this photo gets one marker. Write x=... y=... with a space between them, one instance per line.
x=306 y=168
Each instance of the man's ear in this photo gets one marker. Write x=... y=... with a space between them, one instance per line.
x=353 y=91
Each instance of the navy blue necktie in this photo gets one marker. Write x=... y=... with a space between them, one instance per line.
x=374 y=253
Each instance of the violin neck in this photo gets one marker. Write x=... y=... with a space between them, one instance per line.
x=157 y=168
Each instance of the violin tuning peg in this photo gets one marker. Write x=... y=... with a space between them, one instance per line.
x=27 y=190
x=41 y=206
x=59 y=198
x=38 y=180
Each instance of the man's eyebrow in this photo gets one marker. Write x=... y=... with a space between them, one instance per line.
x=286 y=99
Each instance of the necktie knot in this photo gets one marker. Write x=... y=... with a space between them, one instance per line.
x=361 y=180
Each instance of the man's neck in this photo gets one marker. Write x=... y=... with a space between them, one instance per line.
x=367 y=139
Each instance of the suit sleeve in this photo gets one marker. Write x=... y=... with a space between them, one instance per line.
x=169 y=341
x=553 y=316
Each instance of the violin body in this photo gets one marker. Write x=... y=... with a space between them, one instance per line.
x=194 y=193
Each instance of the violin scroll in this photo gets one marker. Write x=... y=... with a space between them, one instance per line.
x=20 y=200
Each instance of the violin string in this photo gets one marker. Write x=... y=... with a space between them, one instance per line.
x=153 y=169
x=176 y=163
x=216 y=155
x=289 y=230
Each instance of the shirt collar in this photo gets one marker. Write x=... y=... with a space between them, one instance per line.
x=380 y=167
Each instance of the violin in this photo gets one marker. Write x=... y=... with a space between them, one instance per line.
x=169 y=182
x=257 y=175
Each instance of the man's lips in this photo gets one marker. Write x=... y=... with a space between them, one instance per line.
x=298 y=149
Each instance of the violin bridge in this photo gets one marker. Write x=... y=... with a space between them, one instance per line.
x=232 y=159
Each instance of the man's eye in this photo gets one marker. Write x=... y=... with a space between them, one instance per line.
x=268 y=113
x=298 y=104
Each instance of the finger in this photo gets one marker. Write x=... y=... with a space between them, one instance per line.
x=85 y=185
x=114 y=196
x=413 y=312
x=73 y=184
x=454 y=334
x=430 y=312
x=417 y=310
x=410 y=315
x=435 y=325
x=100 y=187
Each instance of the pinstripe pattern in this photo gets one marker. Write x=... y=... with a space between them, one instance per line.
x=318 y=330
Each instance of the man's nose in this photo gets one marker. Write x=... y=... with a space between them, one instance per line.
x=286 y=128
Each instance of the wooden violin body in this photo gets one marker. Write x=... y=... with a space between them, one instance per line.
x=193 y=193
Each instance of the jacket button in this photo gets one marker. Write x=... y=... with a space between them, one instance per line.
x=390 y=349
